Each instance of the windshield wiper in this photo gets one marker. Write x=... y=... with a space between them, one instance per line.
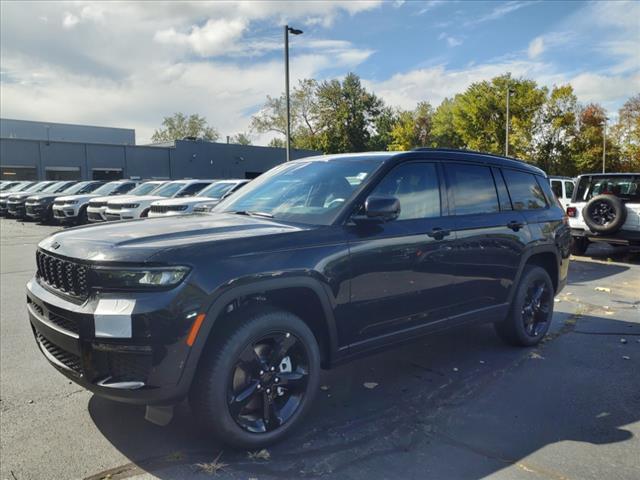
x=250 y=213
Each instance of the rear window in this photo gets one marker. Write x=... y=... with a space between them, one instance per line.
x=556 y=186
x=473 y=189
x=524 y=190
x=623 y=186
x=568 y=188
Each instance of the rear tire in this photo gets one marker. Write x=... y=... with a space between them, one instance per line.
x=579 y=245
x=238 y=397
x=531 y=309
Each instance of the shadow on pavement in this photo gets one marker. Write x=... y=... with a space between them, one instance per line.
x=453 y=405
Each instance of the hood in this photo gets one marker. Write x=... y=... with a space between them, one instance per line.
x=20 y=196
x=147 y=239
x=143 y=198
x=83 y=196
x=43 y=196
x=109 y=198
x=182 y=201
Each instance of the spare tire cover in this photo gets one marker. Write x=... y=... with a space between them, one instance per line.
x=604 y=214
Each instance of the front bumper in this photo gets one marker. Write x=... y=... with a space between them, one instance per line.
x=121 y=214
x=95 y=215
x=36 y=211
x=64 y=213
x=147 y=368
x=16 y=210
x=172 y=213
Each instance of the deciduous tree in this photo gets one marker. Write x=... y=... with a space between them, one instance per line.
x=179 y=126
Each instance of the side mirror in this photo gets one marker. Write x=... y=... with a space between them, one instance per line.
x=380 y=209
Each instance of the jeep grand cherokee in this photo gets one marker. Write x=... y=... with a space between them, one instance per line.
x=316 y=262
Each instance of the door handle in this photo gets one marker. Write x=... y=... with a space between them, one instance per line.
x=515 y=225
x=438 y=233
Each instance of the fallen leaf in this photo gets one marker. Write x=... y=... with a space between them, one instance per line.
x=324 y=388
x=626 y=357
x=536 y=356
x=259 y=455
x=610 y=312
x=623 y=340
x=455 y=369
x=482 y=362
x=603 y=289
x=370 y=385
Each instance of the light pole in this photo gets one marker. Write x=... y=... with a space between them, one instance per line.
x=288 y=30
x=510 y=91
x=604 y=142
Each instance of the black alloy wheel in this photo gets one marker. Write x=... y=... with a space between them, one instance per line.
x=531 y=309
x=268 y=382
x=257 y=377
x=535 y=310
x=602 y=213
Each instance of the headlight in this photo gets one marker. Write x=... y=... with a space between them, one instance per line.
x=139 y=278
x=71 y=202
x=131 y=205
x=204 y=208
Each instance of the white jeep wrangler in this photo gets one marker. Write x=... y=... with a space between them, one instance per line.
x=605 y=207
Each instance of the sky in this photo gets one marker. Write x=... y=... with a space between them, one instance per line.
x=129 y=64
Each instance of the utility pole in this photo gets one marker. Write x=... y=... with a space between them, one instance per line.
x=604 y=143
x=287 y=31
x=506 y=140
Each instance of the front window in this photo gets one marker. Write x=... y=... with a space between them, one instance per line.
x=311 y=192
x=216 y=190
x=145 y=188
x=623 y=186
x=168 y=190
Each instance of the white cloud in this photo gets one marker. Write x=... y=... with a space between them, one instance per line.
x=451 y=41
x=70 y=20
x=216 y=37
x=500 y=11
x=536 y=47
x=430 y=5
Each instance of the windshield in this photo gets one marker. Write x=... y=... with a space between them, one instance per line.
x=311 y=192
x=216 y=190
x=107 y=188
x=82 y=187
x=169 y=190
x=56 y=187
x=9 y=186
x=39 y=187
x=145 y=188
x=623 y=186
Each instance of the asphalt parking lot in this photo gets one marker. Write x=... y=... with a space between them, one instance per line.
x=459 y=405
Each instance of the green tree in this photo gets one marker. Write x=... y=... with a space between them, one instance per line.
x=555 y=131
x=412 y=128
x=589 y=143
x=443 y=132
x=626 y=133
x=276 y=142
x=382 y=127
x=179 y=126
x=241 y=139
x=479 y=115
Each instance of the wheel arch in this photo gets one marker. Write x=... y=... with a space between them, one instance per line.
x=541 y=256
x=305 y=297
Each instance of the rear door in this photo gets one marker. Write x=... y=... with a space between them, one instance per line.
x=490 y=239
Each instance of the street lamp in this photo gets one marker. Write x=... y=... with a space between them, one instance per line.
x=293 y=31
x=604 y=141
x=510 y=91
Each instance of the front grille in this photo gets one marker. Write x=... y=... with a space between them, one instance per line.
x=167 y=208
x=68 y=359
x=58 y=204
x=33 y=209
x=97 y=204
x=63 y=275
x=65 y=323
x=58 y=213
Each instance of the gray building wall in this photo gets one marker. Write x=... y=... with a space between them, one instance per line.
x=64 y=132
x=187 y=159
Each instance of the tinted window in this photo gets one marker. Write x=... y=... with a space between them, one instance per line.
x=568 y=187
x=416 y=186
x=503 y=195
x=525 y=192
x=556 y=187
x=124 y=188
x=473 y=189
x=192 y=189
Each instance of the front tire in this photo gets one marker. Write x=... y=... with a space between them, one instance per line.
x=531 y=310
x=257 y=379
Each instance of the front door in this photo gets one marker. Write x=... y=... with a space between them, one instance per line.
x=400 y=272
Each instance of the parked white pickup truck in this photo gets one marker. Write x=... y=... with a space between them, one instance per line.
x=605 y=207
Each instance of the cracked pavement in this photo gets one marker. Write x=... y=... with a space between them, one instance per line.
x=456 y=405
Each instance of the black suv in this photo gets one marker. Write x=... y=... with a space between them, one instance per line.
x=314 y=263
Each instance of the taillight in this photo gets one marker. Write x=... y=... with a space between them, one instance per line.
x=572 y=212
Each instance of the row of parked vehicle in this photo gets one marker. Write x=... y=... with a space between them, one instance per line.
x=79 y=202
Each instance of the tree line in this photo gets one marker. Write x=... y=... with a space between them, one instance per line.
x=549 y=128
